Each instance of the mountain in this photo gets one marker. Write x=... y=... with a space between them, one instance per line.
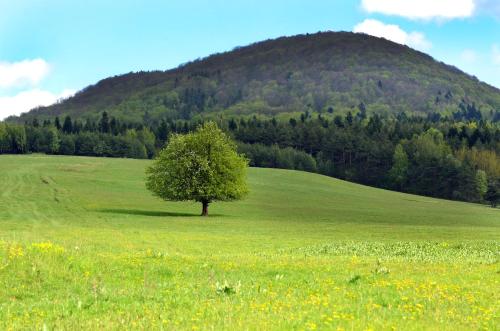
x=326 y=72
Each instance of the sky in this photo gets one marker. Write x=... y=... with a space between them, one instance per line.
x=49 y=49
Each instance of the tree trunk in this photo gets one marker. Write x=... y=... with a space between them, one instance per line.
x=204 y=211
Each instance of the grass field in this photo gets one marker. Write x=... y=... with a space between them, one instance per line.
x=83 y=245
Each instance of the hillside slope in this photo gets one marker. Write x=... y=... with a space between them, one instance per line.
x=326 y=72
x=82 y=243
x=41 y=191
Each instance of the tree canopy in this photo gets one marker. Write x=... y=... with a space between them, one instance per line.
x=330 y=72
x=202 y=166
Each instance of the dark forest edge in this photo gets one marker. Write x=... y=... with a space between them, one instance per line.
x=449 y=158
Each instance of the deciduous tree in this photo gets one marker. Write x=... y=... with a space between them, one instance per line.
x=202 y=166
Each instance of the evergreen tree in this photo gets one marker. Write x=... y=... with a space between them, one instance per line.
x=493 y=194
x=233 y=126
x=349 y=118
x=362 y=111
x=77 y=126
x=67 y=125
x=162 y=133
x=104 y=123
x=57 y=123
x=89 y=126
x=338 y=121
x=114 y=126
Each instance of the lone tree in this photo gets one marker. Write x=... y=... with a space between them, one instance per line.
x=202 y=166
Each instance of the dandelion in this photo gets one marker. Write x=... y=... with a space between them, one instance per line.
x=15 y=252
x=311 y=325
x=354 y=260
x=48 y=247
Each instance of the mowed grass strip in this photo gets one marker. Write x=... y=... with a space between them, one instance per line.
x=83 y=245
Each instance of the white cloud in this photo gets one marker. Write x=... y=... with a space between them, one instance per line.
x=468 y=55
x=26 y=74
x=394 y=33
x=23 y=73
x=27 y=100
x=495 y=54
x=422 y=9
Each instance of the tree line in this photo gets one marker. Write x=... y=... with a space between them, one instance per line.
x=435 y=156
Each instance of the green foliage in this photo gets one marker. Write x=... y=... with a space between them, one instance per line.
x=4 y=139
x=202 y=166
x=493 y=194
x=321 y=73
x=53 y=141
x=85 y=143
x=429 y=147
x=67 y=125
x=276 y=157
x=13 y=139
x=481 y=183
x=148 y=139
x=137 y=150
x=67 y=146
x=399 y=170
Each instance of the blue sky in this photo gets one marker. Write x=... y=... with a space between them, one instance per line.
x=51 y=48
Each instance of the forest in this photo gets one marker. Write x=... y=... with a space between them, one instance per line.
x=322 y=73
x=446 y=157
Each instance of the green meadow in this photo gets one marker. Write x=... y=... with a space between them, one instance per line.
x=84 y=245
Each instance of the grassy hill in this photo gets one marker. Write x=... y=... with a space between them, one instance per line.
x=84 y=245
x=324 y=72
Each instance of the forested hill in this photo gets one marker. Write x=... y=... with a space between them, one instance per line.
x=328 y=72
